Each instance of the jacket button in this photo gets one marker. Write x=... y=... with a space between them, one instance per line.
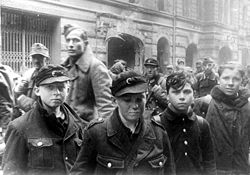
x=66 y=158
x=39 y=143
x=109 y=165
x=185 y=142
x=185 y=153
x=184 y=130
x=160 y=163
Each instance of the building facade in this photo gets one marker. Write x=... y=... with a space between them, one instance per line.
x=132 y=30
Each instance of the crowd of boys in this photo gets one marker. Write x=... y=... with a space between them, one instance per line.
x=81 y=118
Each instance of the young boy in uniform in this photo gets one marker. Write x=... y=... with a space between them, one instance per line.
x=189 y=134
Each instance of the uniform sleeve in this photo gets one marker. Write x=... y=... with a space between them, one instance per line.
x=160 y=95
x=207 y=148
x=101 y=83
x=170 y=164
x=86 y=159
x=21 y=87
x=16 y=153
x=21 y=90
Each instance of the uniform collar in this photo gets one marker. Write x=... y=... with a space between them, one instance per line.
x=173 y=116
x=83 y=62
x=71 y=123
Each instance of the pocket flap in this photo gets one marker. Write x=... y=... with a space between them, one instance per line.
x=110 y=162
x=158 y=162
x=40 y=142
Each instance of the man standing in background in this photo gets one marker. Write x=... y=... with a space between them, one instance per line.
x=207 y=79
x=24 y=94
x=156 y=93
x=90 y=94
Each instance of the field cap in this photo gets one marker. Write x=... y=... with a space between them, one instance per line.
x=207 y=60
x=151 y=62
x=69 y=28
x=129 y=82
x=39 y=49
x=50 y=74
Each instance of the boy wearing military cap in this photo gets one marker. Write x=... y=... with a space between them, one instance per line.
x=156 y=95
x=24 y=93
x=125 y=143
x=46 y=139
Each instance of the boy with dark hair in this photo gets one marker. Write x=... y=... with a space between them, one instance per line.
x=189 y=134
x=228 y=116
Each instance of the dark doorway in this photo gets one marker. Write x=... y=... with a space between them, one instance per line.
x=191 y=54
x=126 y=47
x=163 y=53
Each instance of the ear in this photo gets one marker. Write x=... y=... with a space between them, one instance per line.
x=36 y=91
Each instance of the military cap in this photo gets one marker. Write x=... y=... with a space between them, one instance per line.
x=69 y=28
x=50 y=74
x=128 y=82
x=207 y=60
x=38 y=48
x=151 y=62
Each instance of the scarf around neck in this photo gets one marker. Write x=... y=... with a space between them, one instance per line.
x=237 y=100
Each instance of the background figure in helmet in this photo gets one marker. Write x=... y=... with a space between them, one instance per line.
x=24 y=94
x=207 y=79
x=199 y=67
x=156 y=93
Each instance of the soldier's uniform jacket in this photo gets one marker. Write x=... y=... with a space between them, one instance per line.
x=24 y=90
x=205 y=83
x=191 y=142
x=6 y=95
x=156 y=95
x=109 y=148
x=36 y=143
x=90 y=93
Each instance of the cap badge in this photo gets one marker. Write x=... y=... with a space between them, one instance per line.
x=57 y=73
x=128 y=81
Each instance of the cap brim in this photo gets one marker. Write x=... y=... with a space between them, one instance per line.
x=55 y=80
x=43 y=54
x=149 y=64
x=139 y=88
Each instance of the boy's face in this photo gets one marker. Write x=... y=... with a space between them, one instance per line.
x=230 y=81
x=53 y=95
x=131 y=106
x=181 y=99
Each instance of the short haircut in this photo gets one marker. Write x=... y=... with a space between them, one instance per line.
x=231 y=66
x=69 y=28
x=177 y=81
